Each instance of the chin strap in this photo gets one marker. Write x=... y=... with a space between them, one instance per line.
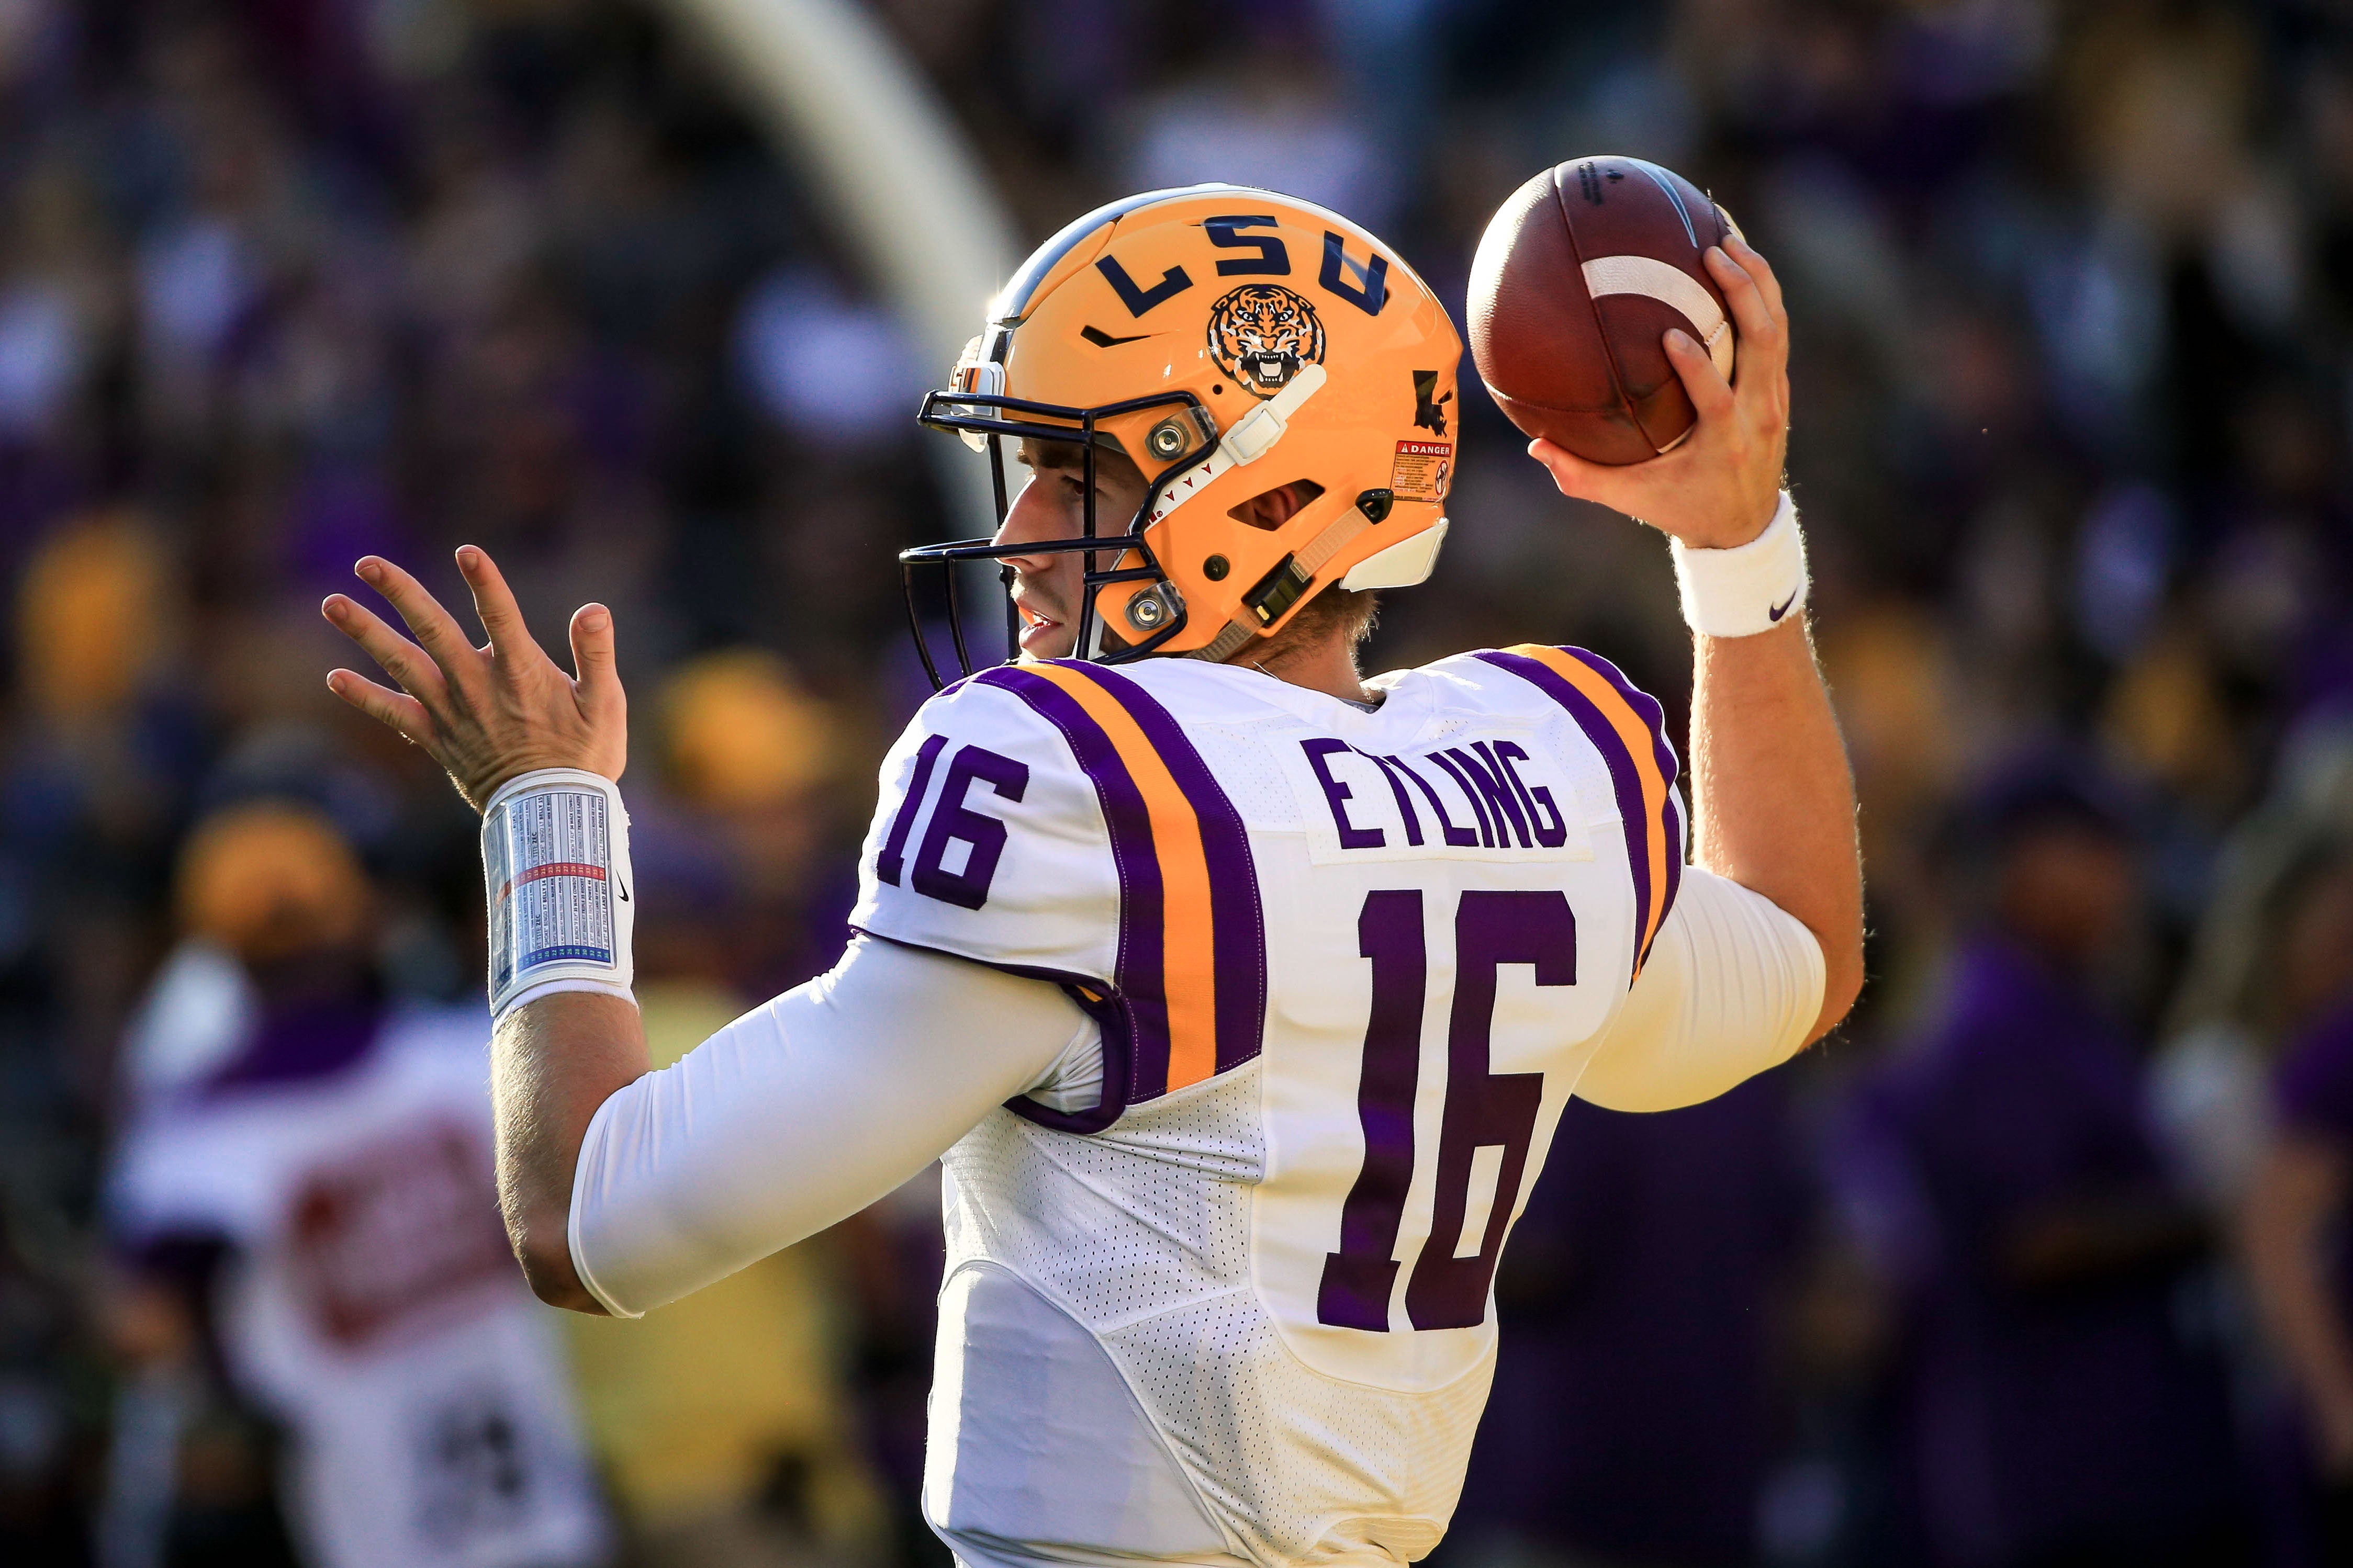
x=1228 y=644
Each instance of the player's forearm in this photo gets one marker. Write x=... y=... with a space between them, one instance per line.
x=553 y=1062
x=1773 y=800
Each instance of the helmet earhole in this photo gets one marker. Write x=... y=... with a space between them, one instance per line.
x=1215 y=568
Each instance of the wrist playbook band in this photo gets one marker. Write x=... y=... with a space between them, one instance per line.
x=1749 y=588
x=556 y=867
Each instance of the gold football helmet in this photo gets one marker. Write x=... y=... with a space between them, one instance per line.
x=1230 y=341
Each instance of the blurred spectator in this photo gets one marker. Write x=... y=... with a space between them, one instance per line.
x=2296 y=1235
x=305 y=1222
x=2045 y=1407
x=834 y=369
x=101 y=749
x=2249 y=986
x=1635 y=1422
x=753 y=756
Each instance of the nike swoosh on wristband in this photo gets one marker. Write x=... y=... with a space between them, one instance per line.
x=1777 y=611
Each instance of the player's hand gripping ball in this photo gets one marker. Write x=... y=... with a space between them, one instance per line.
x=1579 y=276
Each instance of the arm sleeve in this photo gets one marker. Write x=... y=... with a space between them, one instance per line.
x=1733 y=985
x=800 y=1114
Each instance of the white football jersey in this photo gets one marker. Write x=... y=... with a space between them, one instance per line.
x=1348 y=966
x=372 y=1304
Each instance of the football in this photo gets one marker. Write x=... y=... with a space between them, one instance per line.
x=1579 y=276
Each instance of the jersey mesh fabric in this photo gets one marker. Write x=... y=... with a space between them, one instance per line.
x=1141 y=1232
x=1235 y=753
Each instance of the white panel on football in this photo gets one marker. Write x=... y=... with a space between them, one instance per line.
x=1672 y=287
x=1479 y=1201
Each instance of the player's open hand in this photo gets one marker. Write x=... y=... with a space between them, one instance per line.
x=1720 y=487
x=485 y=713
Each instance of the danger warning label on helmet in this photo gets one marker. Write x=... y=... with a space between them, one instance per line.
x=1422 y=470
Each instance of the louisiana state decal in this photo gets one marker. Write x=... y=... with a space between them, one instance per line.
x=1260 y=335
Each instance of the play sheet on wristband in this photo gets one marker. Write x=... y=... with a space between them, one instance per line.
x=551 y=896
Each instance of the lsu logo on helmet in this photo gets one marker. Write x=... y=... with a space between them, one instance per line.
x=1260 y=335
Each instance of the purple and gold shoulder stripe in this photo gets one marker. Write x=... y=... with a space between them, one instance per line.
x=1191 y=969
x=1627 y=726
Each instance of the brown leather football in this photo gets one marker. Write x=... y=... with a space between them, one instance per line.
x=1579 y=276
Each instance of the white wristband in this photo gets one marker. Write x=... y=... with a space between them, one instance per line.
x=555 y=868
x=1749 y=588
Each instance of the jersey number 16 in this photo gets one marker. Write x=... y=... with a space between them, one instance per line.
x=1483 y=1109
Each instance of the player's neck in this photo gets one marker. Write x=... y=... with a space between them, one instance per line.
x=1326 y=664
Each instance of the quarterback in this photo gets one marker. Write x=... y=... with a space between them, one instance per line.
x=1239 y=995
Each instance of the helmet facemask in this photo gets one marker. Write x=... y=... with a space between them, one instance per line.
x=1172 y=429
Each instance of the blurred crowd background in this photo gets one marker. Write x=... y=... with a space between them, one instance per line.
x=2042 y=1260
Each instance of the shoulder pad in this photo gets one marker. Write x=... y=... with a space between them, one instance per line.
x=1628 y=728
x=987 y=843
x=1051 y=819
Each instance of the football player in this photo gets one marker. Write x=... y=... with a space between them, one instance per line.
x=1239 y=995
x=304 y=1188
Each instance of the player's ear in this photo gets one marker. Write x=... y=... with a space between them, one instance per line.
x=1271 y=508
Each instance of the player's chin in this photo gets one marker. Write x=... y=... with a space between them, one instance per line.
x=1044 y=637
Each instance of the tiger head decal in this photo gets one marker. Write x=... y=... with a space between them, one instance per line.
x=1260 y=335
